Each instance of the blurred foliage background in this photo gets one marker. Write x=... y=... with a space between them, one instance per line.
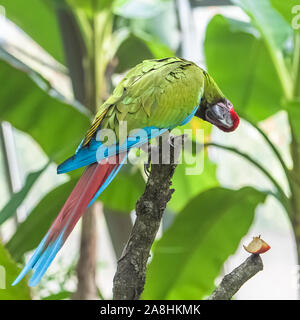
x=60 y=59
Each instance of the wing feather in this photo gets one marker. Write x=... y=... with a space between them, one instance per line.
x=156 y=93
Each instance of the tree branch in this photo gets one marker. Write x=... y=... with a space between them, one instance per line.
x=233 y=281
x=87 y=263
x=129 y=279
x=75 y=51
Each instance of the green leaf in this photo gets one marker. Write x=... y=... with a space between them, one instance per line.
x=33 y=229
x=139 y=9
x=285 y=8
x=18 y=197
x=57 y=126
x=293 y=109
x=8 y=273
x=267 y=20
x=154 y=37
x=140 y=46
x=162 y=27
x=275 y=31
x=38 y=19
x=190 y=254
x=131 y=52
x=238 y=60
x=188 y=186
x=124 y=191
x=92 y=5
x=158 y=49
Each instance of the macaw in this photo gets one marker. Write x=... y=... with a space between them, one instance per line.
x=156 y=94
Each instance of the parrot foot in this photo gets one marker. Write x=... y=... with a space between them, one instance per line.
x=153 y=151
x=147 y=149
x=147 y=169
x=175 y=141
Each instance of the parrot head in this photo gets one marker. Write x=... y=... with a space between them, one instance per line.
x=222 y=115
x=215 y=108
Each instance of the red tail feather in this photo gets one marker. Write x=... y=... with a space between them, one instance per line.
x=86 y=188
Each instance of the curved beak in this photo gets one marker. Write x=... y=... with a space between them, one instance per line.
x=223 y=116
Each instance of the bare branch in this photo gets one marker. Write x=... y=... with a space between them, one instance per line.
x=233 y=281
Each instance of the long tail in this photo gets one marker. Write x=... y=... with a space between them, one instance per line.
x=93 y=181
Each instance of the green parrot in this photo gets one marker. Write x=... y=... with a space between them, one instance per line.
x=154 y=96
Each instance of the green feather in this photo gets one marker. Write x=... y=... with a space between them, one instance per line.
x=160 y=93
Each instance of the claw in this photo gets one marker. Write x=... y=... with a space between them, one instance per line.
x=148 y=163
x=147 y=169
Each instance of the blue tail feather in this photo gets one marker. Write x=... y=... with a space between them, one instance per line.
x=108 y=181
x=33 y=260
x=45 y=260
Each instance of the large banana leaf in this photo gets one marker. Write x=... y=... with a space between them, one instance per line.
x=275 y=32
x=285 y=8
x=57 y=126
x=267 y=20
x=8 y=273
x=123 y=193
x=238 y=59
x=38 y=19
x=190 y=254
x=188 y=186
x=277 y=35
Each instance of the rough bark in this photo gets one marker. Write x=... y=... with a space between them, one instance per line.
x=233 y=281
x=129 y=279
